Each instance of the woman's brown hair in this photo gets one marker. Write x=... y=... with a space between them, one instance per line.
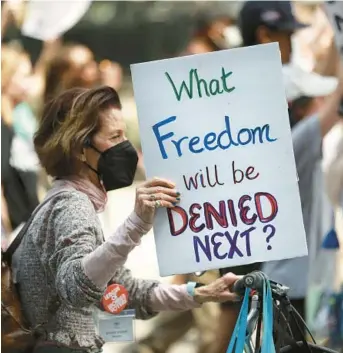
x=67 y=121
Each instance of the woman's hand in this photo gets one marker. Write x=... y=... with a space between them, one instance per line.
x=217 y=291
x=153 y=194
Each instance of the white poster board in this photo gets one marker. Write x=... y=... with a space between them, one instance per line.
x=47 y=20
x=334 y=10
x=217 y=125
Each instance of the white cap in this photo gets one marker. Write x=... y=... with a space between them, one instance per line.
x=299 y=82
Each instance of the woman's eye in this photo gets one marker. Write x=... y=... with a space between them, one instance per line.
x=115 y=137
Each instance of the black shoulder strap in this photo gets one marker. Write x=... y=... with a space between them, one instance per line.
x=7 y=255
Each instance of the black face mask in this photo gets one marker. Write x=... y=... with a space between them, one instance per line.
x=117 y=165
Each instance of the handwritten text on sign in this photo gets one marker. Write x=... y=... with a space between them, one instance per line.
x=217 y=125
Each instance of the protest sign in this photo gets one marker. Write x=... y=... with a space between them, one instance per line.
x=217 y=125
x=334 y=10
x=47 y=20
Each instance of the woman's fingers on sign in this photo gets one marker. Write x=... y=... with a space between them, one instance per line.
x=153 y=194
x=165 y=199
x=161 y=190
x=159 y=182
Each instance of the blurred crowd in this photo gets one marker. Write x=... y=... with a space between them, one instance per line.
x=311 y=67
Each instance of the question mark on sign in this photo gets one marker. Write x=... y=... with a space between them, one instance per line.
x=271 y=229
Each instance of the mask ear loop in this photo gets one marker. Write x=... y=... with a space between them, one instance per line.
x=88 y=144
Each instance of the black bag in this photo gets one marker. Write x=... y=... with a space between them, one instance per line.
x=298 y=347
x=284 y=338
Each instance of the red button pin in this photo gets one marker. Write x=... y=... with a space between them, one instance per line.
x=115 y=299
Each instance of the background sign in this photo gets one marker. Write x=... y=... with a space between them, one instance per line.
x=217 y=124
x=47 y=20
x=334 y=11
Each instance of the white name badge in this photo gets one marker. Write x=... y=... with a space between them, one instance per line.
x=115 y=327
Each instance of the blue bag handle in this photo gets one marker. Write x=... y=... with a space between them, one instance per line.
x=239 y=332
x=268 y=345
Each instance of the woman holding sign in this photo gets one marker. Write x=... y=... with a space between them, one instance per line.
x=65 y=266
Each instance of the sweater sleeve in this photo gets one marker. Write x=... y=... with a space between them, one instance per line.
x=100 y=265
x=140 y=291
x=77 y=239
x=172 y=297
x=149 y=297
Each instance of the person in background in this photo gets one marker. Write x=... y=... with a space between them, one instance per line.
x=72 y=66
x=260 y=22
x=325 y=294
x=313 y=117
x=312 y=45
x=334 y=188
x=334 y=177
x=75 y=66
x=263 y=22
x=81 y=143
x=6 y=17
x=19 y=162
x=111 y=74
x=213 y=32
x=305 y=91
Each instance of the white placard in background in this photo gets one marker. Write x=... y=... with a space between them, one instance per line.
x=47 y=20
x=334 y=10
x=217 y=124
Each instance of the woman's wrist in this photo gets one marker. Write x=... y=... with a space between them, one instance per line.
x=200 y=295
x=172 y=297
x=196 y=290
x=141 y=226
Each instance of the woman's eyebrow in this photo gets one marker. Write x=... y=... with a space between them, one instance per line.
x=116 y=132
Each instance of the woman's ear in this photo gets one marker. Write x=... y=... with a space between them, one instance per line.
x=83 y=152
x=82 y=156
